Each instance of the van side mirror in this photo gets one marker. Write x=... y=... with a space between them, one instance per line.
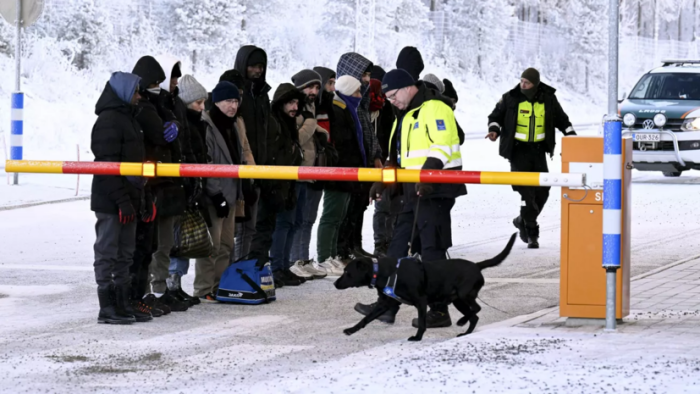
x=624 y=96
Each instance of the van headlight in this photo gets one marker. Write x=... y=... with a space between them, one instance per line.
x=629 y=119
x=691 y=124
x=660 y=120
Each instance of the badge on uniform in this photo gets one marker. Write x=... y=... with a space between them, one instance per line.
x=415 y=126
x=441 y=124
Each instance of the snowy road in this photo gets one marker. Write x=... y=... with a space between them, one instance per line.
x=50 y=341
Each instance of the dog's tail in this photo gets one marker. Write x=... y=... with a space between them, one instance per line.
x=501 y=256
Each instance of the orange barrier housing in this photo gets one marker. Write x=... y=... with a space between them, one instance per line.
x=582 y=284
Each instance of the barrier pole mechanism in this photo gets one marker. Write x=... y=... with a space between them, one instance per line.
x=386 y=175
x=16 y=119
x=612 y=174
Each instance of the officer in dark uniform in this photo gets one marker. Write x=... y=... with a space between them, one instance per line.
x=525 y=119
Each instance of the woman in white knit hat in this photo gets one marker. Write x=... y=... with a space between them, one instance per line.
x=193 y=94
x=346 y=134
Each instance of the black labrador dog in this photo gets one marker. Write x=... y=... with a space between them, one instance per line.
x=419 y=284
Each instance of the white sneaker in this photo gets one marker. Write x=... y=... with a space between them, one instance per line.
x=298 y=270
x=310 y=267
x=332 y=267
x=318 y=266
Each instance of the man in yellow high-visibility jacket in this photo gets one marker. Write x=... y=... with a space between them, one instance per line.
x=425 y=137
x=526 y=119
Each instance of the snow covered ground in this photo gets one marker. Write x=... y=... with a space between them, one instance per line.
x=50 y=341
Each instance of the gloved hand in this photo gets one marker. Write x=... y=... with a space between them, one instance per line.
x=220 y=205
x=127 y=213
x=424 y=189
x=170 y=132
x=307 y=115
x=149 y=214
x=375 y=192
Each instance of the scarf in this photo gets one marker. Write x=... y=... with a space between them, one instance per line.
x=353 y=103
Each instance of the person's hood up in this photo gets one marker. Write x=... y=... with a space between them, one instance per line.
x=325 y=73
x=353 y=64
x=285 y=93
x=167 y=63
x=450 y=90
x=149 y=70
x=411 y=60
x=378 y=73
x=117 y=92
x=233 y=76
x=241 y=63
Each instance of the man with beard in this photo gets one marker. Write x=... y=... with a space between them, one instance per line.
x=251 y=63
x=282 y=149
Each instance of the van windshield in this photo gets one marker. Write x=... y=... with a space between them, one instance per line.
x=668 y=86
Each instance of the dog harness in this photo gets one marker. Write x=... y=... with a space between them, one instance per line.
x=390 y=289
x=375 y=271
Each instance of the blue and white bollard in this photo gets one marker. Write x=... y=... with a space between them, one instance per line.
x=17 y=128
x=612 y=211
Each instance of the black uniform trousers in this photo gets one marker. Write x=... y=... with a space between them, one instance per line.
x=143 y=254
x=433 y=235
x=530 y=157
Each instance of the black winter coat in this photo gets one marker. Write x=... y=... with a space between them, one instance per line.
x=505 y=115
x=255 y=106
x=116 y=137
x=344 y=139
x=385 y=123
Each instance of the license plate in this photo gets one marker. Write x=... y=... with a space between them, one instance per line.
x=646 y=137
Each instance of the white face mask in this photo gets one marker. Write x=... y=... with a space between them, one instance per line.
x=155 y=91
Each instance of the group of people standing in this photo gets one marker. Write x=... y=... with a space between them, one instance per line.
x=357 y=115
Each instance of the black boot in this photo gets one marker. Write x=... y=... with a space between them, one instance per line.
x=533 y=236
x=359 y=252
x=520 y=225
x=123 y=293
x=175 y=287
x=108 y=310
x=173 y=303
x=387 y=317
x=380 y=249
x=435 y=319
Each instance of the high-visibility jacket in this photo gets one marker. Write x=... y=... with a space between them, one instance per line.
x=530 y=123
x=430 y=130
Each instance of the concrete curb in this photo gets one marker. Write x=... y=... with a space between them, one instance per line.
x=35 y=204
x=532 y=316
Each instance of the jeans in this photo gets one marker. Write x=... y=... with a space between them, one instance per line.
x=335 y=206
x=179 y=265
x=283 y=236
x=245 y=231
x=307 y=212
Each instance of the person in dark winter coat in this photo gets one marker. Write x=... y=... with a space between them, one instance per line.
x=350 y=239
x=278 y=196
x=450 y=92
x=181 y=189
x=224 y=148
x=116 y=200
x=346 y=134
x=192 y=95
x=161 y=130
x=387 y=208
x=251 y=63
x=526 y=119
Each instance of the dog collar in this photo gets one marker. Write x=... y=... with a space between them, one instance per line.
x=375 y=271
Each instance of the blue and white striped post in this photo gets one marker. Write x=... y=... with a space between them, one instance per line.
x=17 y=128
x=612 y=172
x=612 y=212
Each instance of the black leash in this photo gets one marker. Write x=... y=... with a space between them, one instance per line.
x=490 y=306
x=413 y=230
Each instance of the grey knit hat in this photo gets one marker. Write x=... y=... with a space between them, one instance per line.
x=305 y=78
x=191 y=90
x=435 y=81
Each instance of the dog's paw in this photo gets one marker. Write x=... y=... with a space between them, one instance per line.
x=414 y=338
x=349 y=331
